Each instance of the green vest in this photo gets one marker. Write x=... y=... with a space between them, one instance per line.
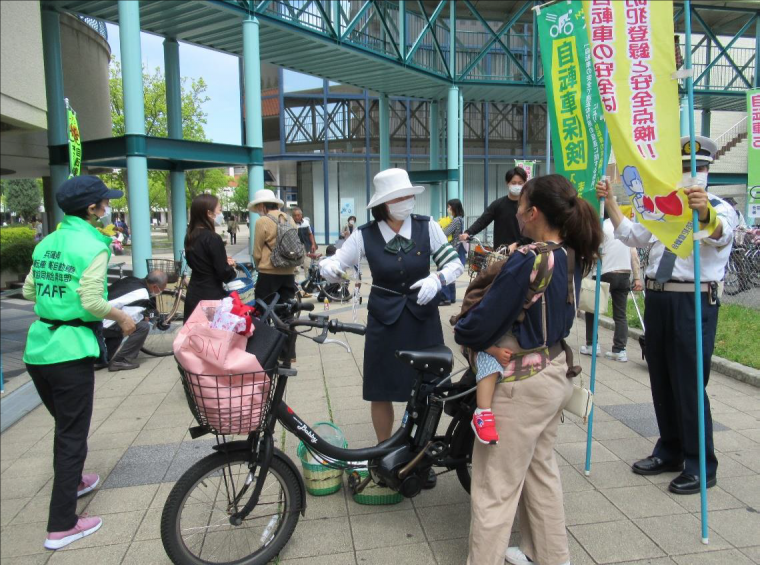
x=58 y=263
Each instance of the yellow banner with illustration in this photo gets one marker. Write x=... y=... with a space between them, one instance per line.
x=633 y=51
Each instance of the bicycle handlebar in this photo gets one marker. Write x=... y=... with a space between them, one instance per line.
x=332 y=326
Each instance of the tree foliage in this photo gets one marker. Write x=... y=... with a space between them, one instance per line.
x=22 y=196
x=156 y=124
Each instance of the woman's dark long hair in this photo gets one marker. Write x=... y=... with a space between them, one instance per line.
x=199 y=218
x=456 y=207
x=576 y=220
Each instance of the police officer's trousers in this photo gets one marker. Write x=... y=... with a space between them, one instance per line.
x=671 y=356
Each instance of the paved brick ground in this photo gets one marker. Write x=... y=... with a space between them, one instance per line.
x=139 y=444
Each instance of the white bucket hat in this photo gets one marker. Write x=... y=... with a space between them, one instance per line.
x=262 y=196
x=390 y=184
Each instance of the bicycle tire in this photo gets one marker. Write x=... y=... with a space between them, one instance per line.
x=201 y=472
x=337 y=292
x=462 y=441
x=159 y=343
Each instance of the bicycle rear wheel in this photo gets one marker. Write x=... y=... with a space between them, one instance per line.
x=159 y=343
x=195 y=525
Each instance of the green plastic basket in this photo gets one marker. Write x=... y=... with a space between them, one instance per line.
x=319 y=479
x=373 y=494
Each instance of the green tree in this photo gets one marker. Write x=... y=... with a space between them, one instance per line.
x=22 y=196
x=193 y=120
x=240 y=198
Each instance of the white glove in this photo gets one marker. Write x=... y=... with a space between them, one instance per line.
x=429 y=287
x=330 y=270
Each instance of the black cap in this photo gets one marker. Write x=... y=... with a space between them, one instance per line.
x=78 y=193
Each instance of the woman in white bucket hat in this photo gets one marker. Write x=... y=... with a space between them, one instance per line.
x=403 y=304
x=271 y=279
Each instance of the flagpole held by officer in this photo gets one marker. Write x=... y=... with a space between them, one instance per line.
x=67 y=282
x=670 y=321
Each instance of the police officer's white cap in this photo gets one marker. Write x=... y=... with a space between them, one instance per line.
x=704 y=150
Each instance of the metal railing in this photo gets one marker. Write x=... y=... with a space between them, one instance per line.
x=737 y=129
x=96 y=24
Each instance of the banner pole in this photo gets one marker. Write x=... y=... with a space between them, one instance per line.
x=697 y=293
x=595 y=340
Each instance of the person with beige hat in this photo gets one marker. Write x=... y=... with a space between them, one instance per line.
x=403 y=303
x=271 y=279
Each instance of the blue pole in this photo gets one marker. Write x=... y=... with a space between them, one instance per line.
x=56 y=108
x=134 y=121
x=595 y=338
x=697 y=293
x=452 y=140
x=326 y=167
x=174 y=126
x=254 y=137
x=461 y=147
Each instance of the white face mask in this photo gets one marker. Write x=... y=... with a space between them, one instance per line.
x=701 y=180
x=515 y=189
x=400 y=211
x=106 y=218
x=219 y=220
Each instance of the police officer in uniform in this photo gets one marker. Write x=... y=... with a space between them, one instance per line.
x=669 y=319
x=67 y=282
x=403 y=304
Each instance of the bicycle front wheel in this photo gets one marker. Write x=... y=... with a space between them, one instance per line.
x=171 y=303
x=195 y=525
x=337 y=292
x=159 y=343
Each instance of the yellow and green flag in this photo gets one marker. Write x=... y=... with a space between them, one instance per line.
x=575 y=110
x=633 y=52
x=75 y=143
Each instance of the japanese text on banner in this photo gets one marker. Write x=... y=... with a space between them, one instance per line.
x=75 y=143
x=633 y=57
x=753 y=153
x=574 y=106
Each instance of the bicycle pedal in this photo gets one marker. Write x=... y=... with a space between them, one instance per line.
x=437 y=449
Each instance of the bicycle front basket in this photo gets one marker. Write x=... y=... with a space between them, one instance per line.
x=169 y=266
x=229 y=404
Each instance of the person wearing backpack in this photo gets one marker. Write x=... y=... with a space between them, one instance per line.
x=519 y=337
x=277 y=251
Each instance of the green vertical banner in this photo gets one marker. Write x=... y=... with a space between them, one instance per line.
x=753 y=153
x=75 y=143
x=574 y=105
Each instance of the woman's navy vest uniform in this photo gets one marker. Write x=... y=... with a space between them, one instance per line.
x=396 y=321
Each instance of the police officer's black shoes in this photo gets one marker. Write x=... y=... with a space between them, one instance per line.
x=689 y=484
x=654 y=466
x=122 y=365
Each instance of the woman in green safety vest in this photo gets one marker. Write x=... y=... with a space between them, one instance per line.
x=67 y=282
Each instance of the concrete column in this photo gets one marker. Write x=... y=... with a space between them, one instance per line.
x=452 y=140
x=134 y=121
x=385 y=139
x=434 y=127
x=57 y=125
x=254 y=137
x=174 y=122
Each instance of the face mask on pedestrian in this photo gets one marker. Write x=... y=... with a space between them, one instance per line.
x=521 y=221
x=515 y=189
x=106 y=218
x=219 y=219
x=400 y=211
x=701 y=179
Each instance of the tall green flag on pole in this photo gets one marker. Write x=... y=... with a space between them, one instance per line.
x=574 y=106
x=75 y=142
x=753 y=155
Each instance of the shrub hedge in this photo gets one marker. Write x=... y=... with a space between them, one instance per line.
x=16 y=247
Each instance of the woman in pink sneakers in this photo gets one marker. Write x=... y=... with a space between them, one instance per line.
x=67 y=282
x=519 y=334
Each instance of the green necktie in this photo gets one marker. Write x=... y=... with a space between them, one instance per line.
x=398 y=243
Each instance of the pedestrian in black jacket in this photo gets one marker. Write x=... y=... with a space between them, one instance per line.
x=503 y=212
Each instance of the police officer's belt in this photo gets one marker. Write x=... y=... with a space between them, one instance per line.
x=683 y=286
